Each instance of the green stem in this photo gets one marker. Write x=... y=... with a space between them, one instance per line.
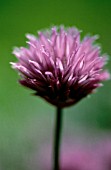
x=57 y=139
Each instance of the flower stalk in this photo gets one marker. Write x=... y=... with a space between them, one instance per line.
x=57 y=139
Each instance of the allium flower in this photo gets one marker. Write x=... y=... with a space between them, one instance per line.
x=60 y=67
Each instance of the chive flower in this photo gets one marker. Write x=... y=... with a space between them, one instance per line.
x=62 y=69
x=59 y=66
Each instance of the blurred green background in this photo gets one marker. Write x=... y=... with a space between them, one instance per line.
x=27 y=122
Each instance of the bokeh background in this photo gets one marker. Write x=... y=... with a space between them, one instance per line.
x=27 y=122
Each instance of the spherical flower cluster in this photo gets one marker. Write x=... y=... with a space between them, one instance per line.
x=60 y=67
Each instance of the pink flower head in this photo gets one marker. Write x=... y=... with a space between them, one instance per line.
x=60 y=67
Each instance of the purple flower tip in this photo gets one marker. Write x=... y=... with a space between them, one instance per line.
x=60 y=67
